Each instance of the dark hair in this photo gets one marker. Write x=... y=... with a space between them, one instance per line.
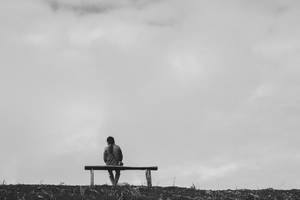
x=111 y=141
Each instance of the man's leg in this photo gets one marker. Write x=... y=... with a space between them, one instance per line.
x=117 y=176
x=111 y=177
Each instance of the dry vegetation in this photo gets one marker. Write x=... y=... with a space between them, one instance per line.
x=62 y=192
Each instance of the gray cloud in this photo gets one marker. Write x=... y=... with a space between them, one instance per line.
x=96 y=6
x=80 y=7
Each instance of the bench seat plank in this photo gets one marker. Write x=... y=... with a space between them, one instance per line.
x=116 y=167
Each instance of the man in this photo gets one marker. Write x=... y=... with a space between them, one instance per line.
x=113 y=156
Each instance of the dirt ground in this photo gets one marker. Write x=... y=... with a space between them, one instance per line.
x=63 y=192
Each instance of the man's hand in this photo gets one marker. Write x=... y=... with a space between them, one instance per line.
x=120 y=163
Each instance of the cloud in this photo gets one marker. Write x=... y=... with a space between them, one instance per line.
x=204 y=173
x=96 y=6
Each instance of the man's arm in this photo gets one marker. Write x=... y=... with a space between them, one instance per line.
x=105 y=155
x=120 y=154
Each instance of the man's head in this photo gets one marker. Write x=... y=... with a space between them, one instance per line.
x=110 y=140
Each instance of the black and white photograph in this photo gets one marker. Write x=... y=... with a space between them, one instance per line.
x=150 y=99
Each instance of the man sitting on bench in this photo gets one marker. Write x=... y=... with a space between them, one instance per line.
x=113 y=156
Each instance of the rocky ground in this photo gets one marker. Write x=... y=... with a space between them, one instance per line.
x=63 y=192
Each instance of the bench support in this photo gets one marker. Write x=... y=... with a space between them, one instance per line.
x=148 y=178
x=92 y=177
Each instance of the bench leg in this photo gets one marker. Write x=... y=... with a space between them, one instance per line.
x=148 y=178
x=92 y=178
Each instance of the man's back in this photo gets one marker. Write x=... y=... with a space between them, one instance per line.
x=112 y=156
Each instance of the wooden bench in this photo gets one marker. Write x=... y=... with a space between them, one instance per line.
x=114 y=167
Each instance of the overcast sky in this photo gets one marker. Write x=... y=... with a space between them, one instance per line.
x=209 y=91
